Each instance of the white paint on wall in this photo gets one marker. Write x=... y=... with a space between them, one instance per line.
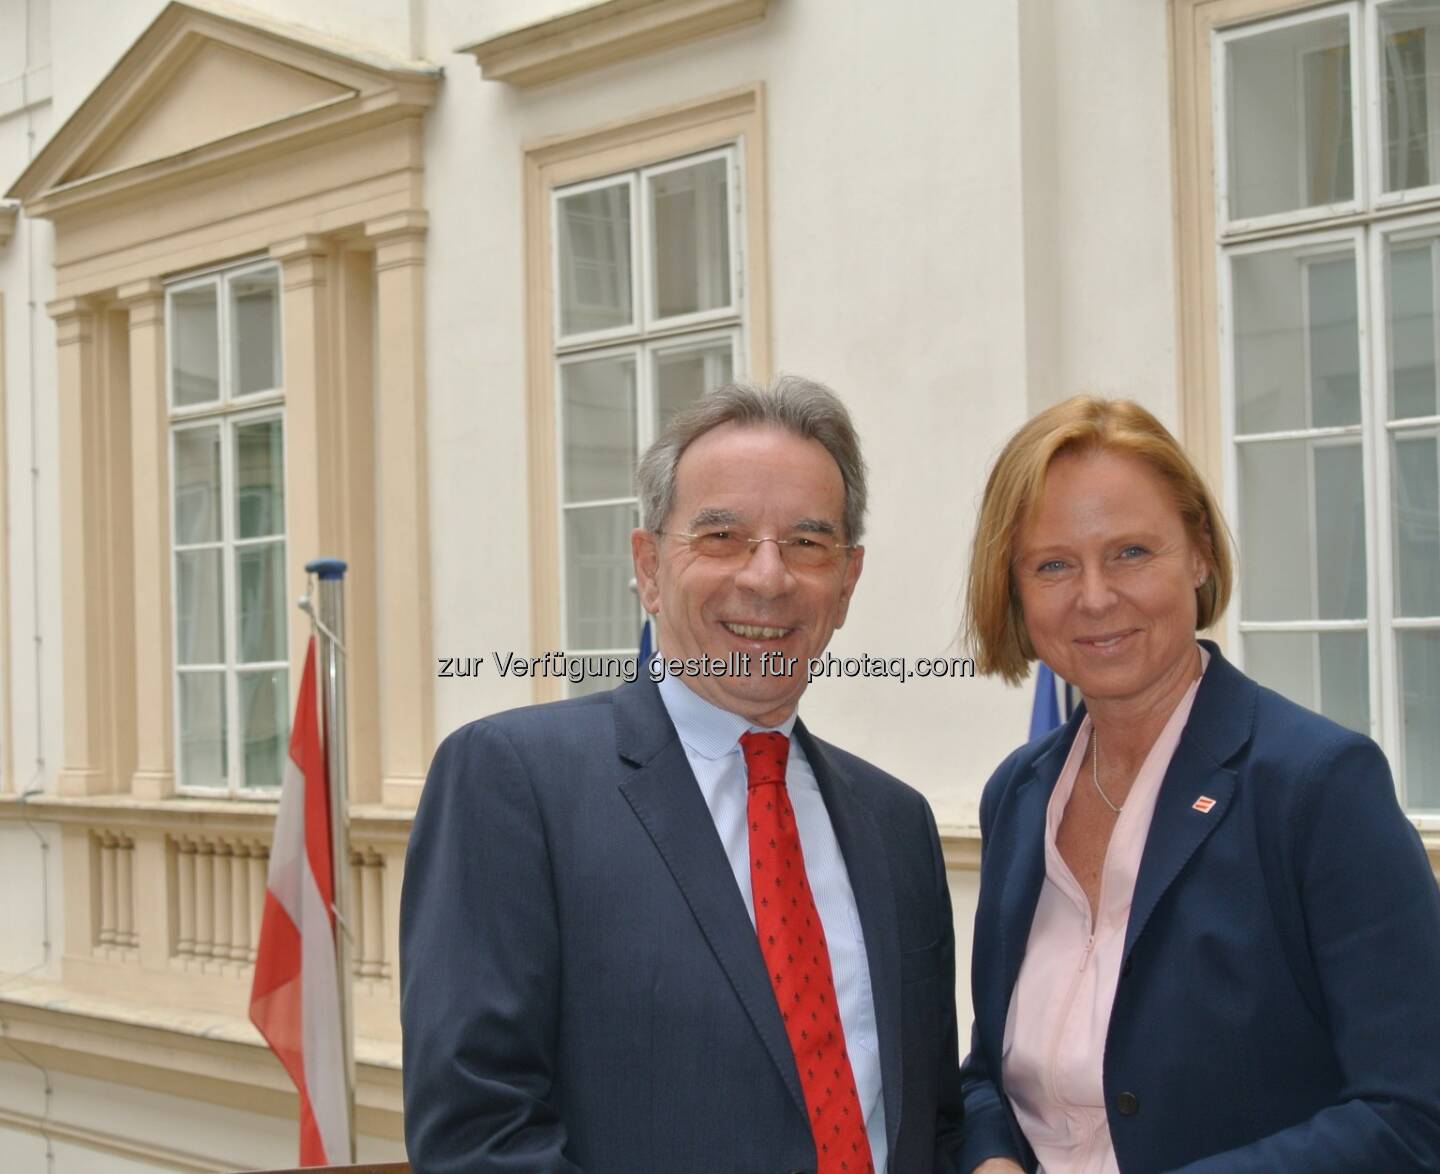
x=969 y=219
x=29 y=878
x=897 y=258
x=81 y=1110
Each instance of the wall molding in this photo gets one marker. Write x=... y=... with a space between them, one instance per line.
x=217 y=1059
x=671 y=132
x=122 y=142
x=107 y=1143
x=579 y=41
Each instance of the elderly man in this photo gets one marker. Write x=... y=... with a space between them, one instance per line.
x=666 y=929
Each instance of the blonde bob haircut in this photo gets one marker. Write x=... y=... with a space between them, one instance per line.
x=994 y=625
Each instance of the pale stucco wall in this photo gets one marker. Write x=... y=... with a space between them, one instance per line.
x=970 y=217
x=172 y=1132
x=901 y=270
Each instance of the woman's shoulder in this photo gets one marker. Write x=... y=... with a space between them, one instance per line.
x=1286 y=732
x=1309 y=770
x=1019 y=764
x=1244 y=725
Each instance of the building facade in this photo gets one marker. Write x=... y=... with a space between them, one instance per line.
x=412 y=282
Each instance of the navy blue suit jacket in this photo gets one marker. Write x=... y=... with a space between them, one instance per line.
x=1278 y=1006
x=581 y=986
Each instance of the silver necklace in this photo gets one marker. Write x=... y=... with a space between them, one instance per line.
x=1095 y=771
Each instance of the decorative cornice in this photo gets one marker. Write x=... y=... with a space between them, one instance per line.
x=368 y=89
x=369 y=822
x=212 y=1058
x=9 y=217
x=961 y=847
x=149 y=289
x=603 y=34
x=402 y=224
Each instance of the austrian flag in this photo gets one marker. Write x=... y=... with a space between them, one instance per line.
x=295 y=998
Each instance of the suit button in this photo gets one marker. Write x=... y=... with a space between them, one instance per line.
x=1127 y=1104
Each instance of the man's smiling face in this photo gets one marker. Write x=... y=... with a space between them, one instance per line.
x=764 y=483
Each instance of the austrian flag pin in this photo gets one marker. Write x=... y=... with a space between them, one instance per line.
x=1203 y=804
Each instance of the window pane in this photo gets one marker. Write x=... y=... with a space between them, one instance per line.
x=1325 y=671
x=255 y=321
x=199 y=608
x=684 y=374
x=260 y=591
x=202 y=729
x=1415 y=471
x=1302 y=530
x=1408 y=42
x=197 y=485
x=1410 y=277
x=264 y=725
x=1289 y=124
x=1419 y=706
x=597 y=403
x=259 y=479
x=690 y=246
x=1297 y=341
x=601 y=611
x=594 y=259
x=194 y=347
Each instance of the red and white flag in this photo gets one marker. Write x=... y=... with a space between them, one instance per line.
x=295 y=998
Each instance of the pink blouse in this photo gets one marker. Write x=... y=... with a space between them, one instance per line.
x=1060 y=1009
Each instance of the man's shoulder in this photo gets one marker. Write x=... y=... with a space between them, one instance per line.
x=545 y=723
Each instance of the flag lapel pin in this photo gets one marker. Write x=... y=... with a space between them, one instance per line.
x=1203 y=804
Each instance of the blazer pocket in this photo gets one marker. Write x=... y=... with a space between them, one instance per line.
x=917 y=965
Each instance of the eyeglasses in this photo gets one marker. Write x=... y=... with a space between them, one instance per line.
x=809 y=552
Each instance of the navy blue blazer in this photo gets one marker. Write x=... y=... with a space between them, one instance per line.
x=1278 y=1006
x=581 y=986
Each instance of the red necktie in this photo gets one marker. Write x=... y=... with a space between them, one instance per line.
x=792 y=941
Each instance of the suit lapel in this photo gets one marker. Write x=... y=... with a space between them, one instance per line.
x=863 y=849
x=1197 y=789
x=662 y=791
x=1177 y=830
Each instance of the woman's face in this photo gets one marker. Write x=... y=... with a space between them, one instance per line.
x=1106 y=575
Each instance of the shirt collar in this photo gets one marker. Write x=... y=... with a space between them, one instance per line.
x=705 y=728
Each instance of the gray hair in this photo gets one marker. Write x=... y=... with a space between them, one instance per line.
x=797 y=405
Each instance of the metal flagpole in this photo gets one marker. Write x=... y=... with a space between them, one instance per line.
x=329 y=620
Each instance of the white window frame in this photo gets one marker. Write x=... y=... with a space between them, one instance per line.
x=653 y=323
x=1382 y=432
x=1369 y=242
x=647 y=336
x=1219 y=62
x=227 y=412
x=1375 y=103
x=644 y=355
x=586 y=338
x=1317 y=244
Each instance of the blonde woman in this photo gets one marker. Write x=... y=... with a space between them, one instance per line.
x=1207 y=938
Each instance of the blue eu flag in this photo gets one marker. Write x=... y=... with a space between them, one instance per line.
x=1045 y=712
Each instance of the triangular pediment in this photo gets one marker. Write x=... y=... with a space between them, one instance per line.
x=218 y=91
x=202 y=85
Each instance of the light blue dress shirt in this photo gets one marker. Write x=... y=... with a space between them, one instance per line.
x=711 y=737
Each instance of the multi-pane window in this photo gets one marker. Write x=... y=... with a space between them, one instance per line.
x=648 y=317
x=227 y=439
x=1328 y=174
